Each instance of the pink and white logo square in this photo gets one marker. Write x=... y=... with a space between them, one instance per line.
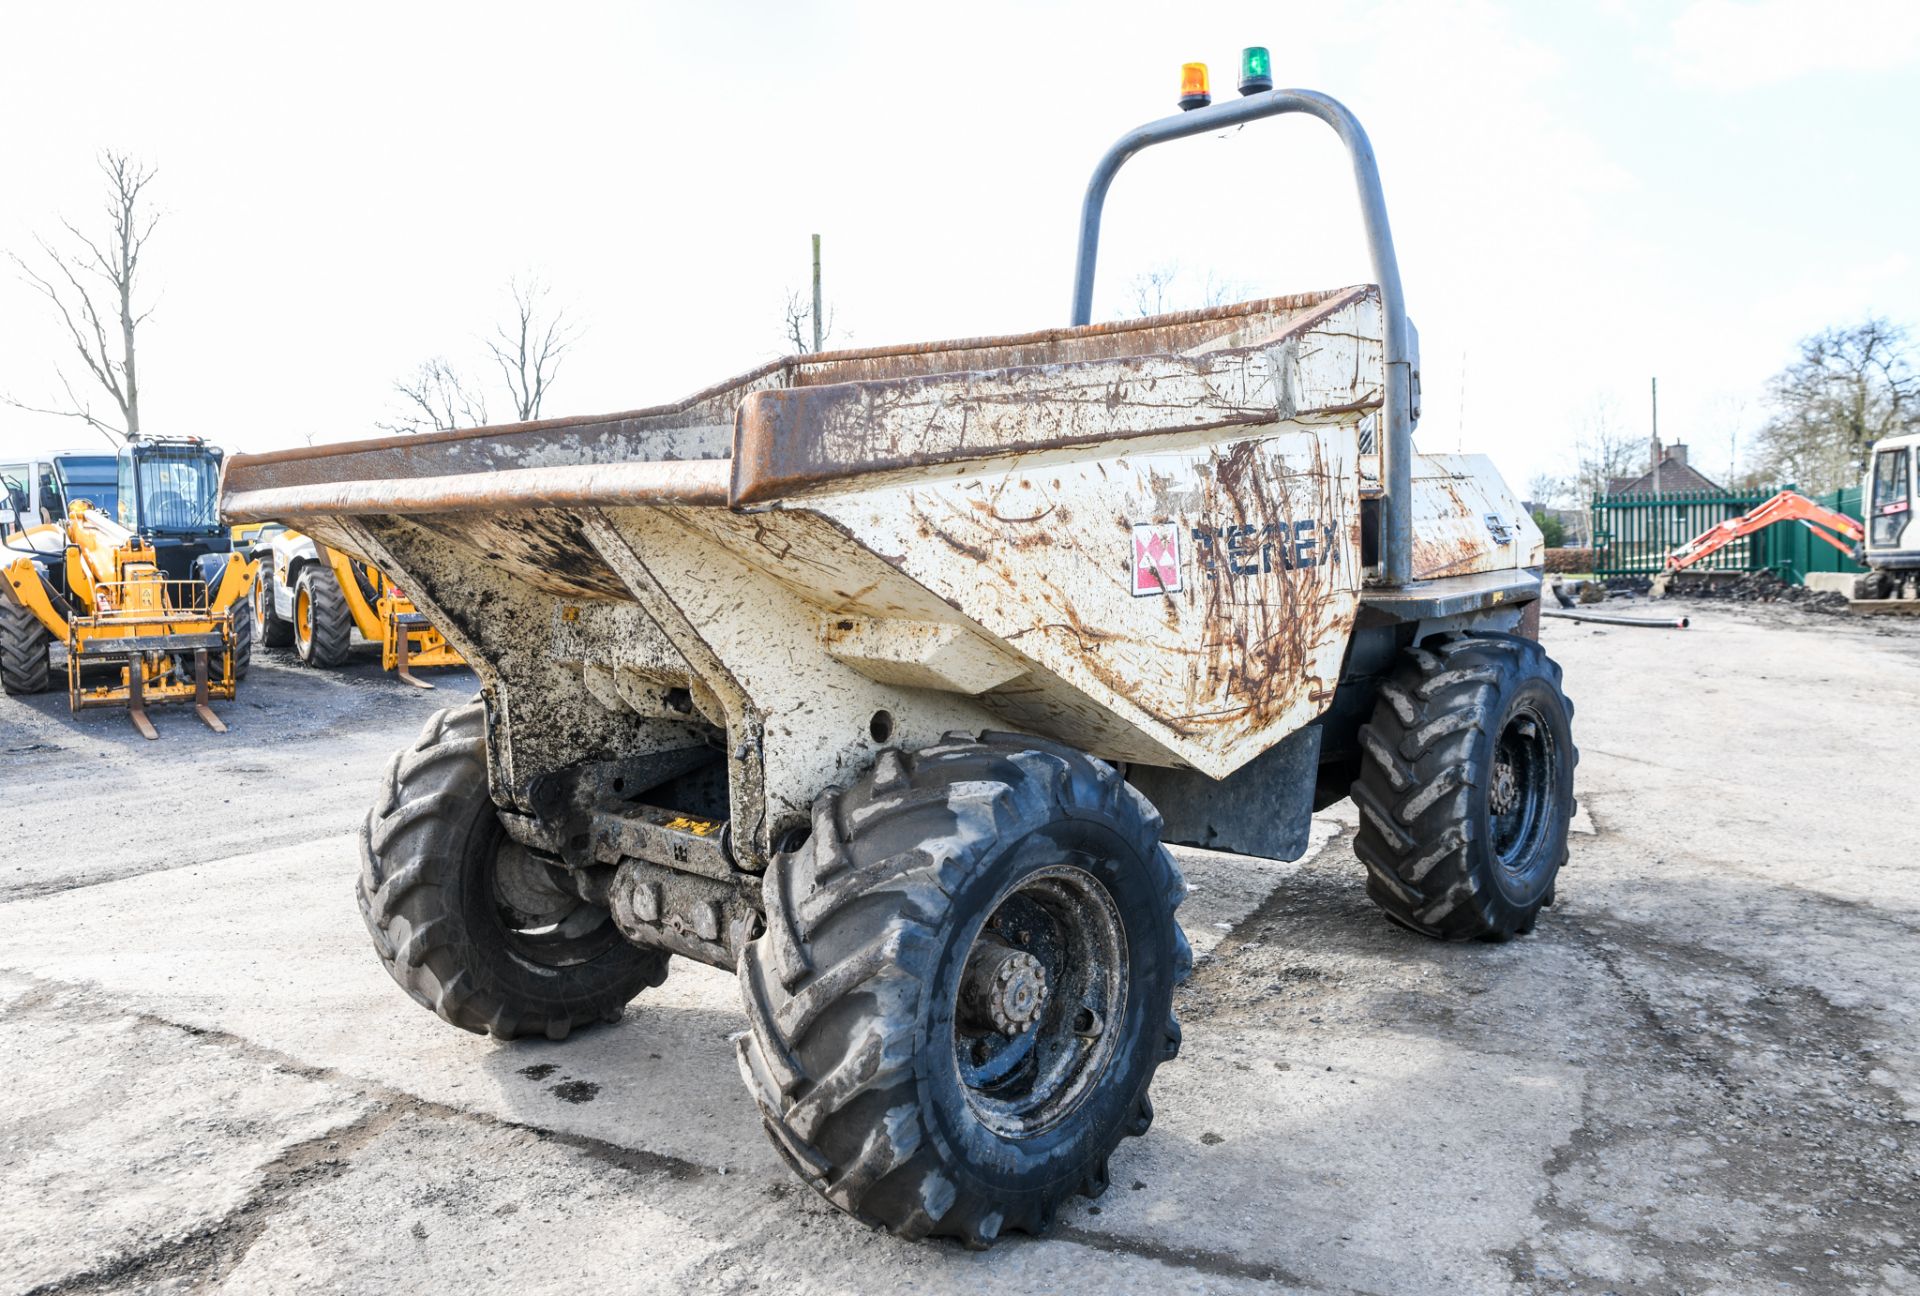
x=1156 y=558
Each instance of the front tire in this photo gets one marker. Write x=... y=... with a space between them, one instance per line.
x=24 y=665
x=322 y=626
x=1466 y=787
x=965 y=986
x=471 y=925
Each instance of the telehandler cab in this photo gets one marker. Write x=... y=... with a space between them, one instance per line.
x=151 y=604
x=882 y=677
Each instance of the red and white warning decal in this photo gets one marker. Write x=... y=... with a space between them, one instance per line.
x=1156 y=558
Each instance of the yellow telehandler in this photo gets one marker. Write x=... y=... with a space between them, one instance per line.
x=152 y=605
x=314 y=597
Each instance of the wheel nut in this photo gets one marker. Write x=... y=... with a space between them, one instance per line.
x=1004 y=989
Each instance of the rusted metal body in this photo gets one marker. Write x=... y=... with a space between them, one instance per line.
x=1146 y=539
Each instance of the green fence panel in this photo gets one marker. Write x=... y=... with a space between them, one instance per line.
x=1633 y=534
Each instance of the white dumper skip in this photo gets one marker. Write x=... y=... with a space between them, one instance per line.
x=882 y=676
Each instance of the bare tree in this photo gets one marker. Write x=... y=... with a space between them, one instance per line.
x=1151 y=289
x=1604 y=449
x=1163 y=288
x=528 y=348
x=435 y=398
x=798 y=317
x=1849 y=388
x=91 y=288
x=1218 y=290
x=1551 y=490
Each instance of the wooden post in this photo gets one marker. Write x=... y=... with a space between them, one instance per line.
x=817 y=336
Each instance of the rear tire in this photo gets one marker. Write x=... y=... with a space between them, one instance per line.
x=936 y=1042
x=1466 y=788
x=491 y=953
x=322 y=627
x=24 y=665
x=268 y=629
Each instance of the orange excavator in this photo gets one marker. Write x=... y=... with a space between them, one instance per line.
x=1837 y=529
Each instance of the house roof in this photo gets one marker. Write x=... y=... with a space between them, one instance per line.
x=1675 y=475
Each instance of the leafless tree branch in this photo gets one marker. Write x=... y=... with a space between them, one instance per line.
x=798 y=318
x=1851 y=387
x=435 y=398
x=108 y=268
x=529 y=347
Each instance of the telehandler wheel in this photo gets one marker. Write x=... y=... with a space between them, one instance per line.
x=243 y=637
x=322 y=626
x=24 y=667
x=468 y=922
x=1466 y=787
x=268 y=629
x=965 y=986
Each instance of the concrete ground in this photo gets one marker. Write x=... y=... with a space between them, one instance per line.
x=1701 y=1074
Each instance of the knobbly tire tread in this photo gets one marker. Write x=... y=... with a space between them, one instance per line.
x=243 y=637
x=412 y=854
x=1426 y=758
x=24 y=666
x=855 y=914
x=332 y=636
x=274 y=632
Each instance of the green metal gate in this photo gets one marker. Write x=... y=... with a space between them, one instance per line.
x=1632 y=534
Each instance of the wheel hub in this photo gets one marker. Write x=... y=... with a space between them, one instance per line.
x=1045 y=979
x=1520 y=789
x=1506 y=787
x=1004 y=989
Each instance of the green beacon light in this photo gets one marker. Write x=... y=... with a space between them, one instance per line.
x=1256 y=70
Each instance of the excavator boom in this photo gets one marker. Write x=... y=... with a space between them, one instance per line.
x=1837 y=529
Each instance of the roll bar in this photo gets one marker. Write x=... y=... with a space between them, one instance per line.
x=1396 y=442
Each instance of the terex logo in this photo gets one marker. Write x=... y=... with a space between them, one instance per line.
x=1249 y=550
x=1156 y=558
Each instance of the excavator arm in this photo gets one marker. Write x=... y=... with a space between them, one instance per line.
x=1837 y=529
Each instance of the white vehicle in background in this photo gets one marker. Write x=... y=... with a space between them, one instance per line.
x=1892 y=546
x=37 y=491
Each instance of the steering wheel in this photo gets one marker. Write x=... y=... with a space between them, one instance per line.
x=170 y=509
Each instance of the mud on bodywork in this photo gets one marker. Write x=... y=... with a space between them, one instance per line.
x=1143 y=540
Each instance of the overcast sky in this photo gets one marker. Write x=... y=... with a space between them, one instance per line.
x=1583 y=195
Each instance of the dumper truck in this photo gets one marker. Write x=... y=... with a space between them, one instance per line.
x=884 y=678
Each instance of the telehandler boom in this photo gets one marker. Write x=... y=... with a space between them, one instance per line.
x=883 y=677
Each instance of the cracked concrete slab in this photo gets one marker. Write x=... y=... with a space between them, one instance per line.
x=140 y=1138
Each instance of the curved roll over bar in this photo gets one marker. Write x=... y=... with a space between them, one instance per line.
x=1396 y=442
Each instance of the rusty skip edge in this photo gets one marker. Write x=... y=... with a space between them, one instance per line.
x=660 y=482
x=780 y=446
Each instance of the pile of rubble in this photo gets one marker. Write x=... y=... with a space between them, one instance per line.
x=1760 y=587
